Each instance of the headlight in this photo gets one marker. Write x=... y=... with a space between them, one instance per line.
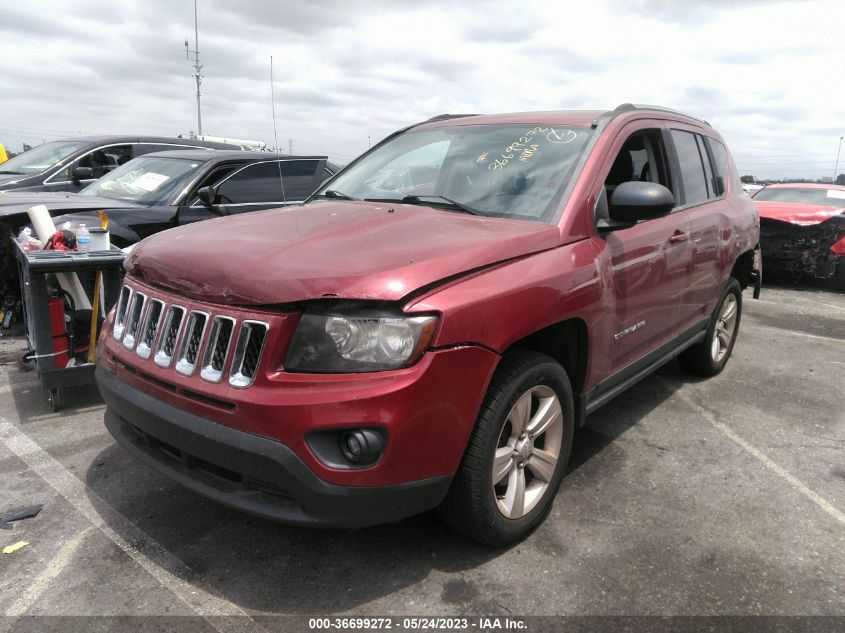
x=340 y=344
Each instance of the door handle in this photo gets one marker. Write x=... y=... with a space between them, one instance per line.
x=678 y=236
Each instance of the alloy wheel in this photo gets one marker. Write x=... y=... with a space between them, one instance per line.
x=725 y=328
x=527 y=452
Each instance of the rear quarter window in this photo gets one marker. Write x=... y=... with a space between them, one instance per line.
x=721 y=166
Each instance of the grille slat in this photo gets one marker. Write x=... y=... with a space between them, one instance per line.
x=133 y=319
x=151 y=328
x=248 y=353
x=170 y=334
x=120 y=312
x=186 y=361
x=217 y=349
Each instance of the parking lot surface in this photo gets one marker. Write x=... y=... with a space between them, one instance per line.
x=684 y=497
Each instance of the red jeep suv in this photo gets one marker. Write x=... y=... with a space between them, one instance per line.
x=430 y=328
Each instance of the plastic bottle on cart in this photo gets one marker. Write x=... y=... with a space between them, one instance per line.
x=83 y=239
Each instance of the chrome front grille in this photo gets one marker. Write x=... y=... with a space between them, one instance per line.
x=173 y=335
x=150 y=328
x=186 y=361
x=217 y=349
x=120 y=313
x=133 y=319
x=247 y=353
x=170 y=333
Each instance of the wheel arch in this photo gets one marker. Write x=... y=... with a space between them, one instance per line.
x=743 y=269
x=567 y=342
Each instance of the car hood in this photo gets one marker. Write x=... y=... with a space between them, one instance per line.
x=347 y=250
x=14 y=202
x=7 y=178
x=797 y=213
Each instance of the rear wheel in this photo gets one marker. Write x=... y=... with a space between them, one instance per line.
x=710 y=356
x=517 y=454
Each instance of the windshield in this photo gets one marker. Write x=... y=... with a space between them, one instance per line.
x=40 y=158
x=804 y=195
x=145 y=180
x=498 y=170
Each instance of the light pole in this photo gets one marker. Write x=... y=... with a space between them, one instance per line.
x=836 y=169
x=197 y=66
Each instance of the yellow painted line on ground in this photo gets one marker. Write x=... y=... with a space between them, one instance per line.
x=59 y=562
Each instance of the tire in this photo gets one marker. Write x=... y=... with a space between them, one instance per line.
x=704 y=358
x=534 y=462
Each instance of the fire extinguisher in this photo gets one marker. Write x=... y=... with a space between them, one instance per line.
x=58 y=330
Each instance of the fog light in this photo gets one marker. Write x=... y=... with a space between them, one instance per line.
x=361 y=447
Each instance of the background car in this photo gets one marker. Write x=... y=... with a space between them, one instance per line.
x=802 y=230
x=166 y=189
x=73 y=163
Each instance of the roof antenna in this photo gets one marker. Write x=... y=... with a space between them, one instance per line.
x=275 y=137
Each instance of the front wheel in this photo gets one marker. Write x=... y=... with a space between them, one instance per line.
x=710 y=356
x=516 y=457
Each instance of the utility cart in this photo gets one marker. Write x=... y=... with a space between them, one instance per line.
x=49 y=334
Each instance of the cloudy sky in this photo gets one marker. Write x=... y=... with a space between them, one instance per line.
x=768 y=75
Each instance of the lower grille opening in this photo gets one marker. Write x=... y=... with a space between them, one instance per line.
x=267 y=488
x=195 y=463
x=187 y=393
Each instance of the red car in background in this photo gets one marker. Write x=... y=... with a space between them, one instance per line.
x=802 y=229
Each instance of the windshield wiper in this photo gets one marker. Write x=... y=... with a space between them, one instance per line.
x=440 y=200
x=331 y=193
x=18 y=173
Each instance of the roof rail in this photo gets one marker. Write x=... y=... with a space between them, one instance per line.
x=446 y=117
x=628 y=107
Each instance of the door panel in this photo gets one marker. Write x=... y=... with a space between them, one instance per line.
x=648 y=263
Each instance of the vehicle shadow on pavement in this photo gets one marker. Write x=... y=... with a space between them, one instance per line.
x=260 y=565
x=264 y=566
x=782 y=281
x=626 y=410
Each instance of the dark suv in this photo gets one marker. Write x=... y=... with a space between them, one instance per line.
x=165 y=189
x=73 y=163
x=432 y=326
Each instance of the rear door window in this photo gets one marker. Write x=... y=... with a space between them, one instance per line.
x=264 y=182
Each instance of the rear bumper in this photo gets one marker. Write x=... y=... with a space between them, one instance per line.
x=250 y=473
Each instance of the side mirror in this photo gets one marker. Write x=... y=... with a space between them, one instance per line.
x=640 y=200
x=78 y=173
x=206 y=195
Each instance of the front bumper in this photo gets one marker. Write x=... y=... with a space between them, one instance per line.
x=802 y=249
x=250 y=473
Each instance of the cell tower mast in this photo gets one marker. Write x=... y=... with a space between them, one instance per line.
x=197 y=66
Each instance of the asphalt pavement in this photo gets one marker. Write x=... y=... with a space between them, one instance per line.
x=684 y=497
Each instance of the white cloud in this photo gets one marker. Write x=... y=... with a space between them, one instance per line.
x=764 y=74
